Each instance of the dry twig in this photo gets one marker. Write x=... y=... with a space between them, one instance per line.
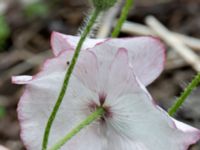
x=8 y=59
x=139 y=29
x=24 y=66
x=187 y=54
x=174 y=61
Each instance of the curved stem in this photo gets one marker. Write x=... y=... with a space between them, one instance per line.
x=91 y=22
x=122 y=18
x=195 y=82
x=91 y=118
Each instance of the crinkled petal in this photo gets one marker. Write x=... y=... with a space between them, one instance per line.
x=119 y=76
x=39 y=98
x=118 y=69
x=61 y=42
x=90 y=138
x=193 y=133
x=120 y=142
x=56 y=64
x=146 y=55
x=87 y=71
x=184 y=127
x=136 y=117
x=104 y=75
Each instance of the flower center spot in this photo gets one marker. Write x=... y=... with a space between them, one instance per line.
x=102 y=98
x=107 y=114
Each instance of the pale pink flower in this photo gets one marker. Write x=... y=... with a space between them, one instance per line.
x=110 y=74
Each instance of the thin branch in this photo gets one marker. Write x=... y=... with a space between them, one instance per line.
x=186 y=53
x=139 y=29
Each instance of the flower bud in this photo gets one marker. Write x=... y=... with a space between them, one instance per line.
x=103 y=4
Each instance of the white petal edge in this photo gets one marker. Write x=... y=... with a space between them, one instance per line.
x=61 y=42
x=21 y=79
x=55 y=64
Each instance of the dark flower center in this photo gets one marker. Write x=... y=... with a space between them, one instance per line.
x=102 y=98
x=93 y=106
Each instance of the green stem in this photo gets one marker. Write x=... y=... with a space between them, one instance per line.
x=195 y=82
x=122 y=18
x=91 y=118
x=51 y=119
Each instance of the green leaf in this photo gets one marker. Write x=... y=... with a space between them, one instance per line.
x=103 y=4
x=2 y=112
x=36 y=9
x=4 y=31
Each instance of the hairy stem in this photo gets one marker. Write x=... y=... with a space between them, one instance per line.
x=195 y=82
x=51 y=119
x=91 y=118
x=122 y=18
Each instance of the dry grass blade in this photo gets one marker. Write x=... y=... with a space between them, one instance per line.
x=24 y=66
x=139 y=29
x=186 y=53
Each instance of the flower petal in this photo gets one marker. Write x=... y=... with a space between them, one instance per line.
x=90 y=138
x=86 y=71
x=61 y=42
x=120 y=74
x=184 y=127
x=21 y=79
x=57 y=64
x=193 y=133
x=104 y=75
x=146 y=55
x=136 y=117
x=118 y=142
x=39 y=98
x=119 y=69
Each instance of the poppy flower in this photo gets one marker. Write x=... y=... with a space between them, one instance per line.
x=111 y=74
